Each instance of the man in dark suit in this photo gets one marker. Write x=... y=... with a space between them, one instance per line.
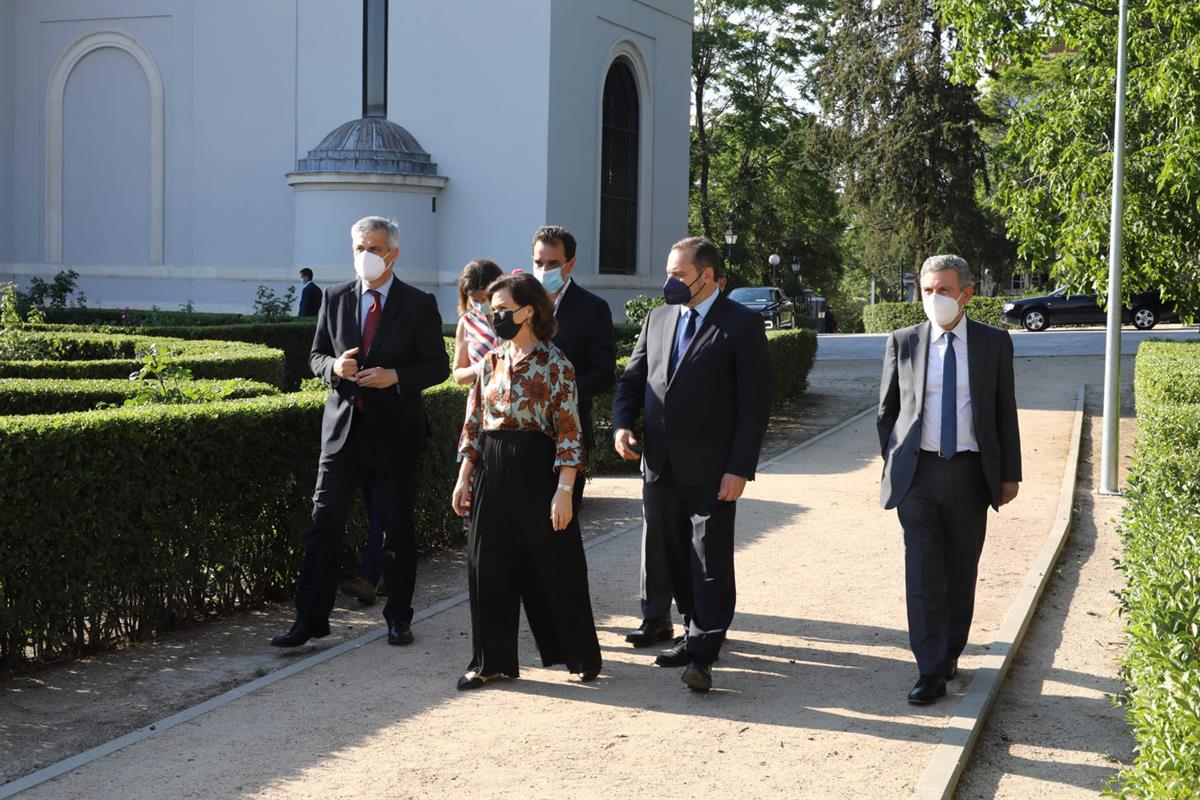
x=951 y=447
x=701 y=374
x=585 y=326
x=378 y=344
x=310 y=295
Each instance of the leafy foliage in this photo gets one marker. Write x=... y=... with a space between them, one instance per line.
x=638 y=307
x=1056 y=159
x=57 y=396
x=56 y=293
x=161 y=379
x=269 y=307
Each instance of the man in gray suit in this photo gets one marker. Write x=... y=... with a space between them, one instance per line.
x=951 y=447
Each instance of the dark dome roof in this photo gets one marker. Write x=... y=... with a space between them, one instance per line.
x=370 y=144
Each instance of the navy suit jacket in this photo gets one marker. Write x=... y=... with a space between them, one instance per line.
x=310 y=300
x=710 y=417
x=993 y=407
x=586 y=337
x=408 y=340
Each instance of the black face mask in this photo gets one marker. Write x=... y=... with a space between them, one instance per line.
x=503 y=324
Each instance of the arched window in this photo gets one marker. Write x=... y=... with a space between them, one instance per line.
x=619 y=172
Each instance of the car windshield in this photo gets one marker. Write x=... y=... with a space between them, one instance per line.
x=750 y=293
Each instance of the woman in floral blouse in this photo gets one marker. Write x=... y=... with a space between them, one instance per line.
x=521 y=443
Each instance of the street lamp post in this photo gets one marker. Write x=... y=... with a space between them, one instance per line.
x=730 y=241
x=773 y=260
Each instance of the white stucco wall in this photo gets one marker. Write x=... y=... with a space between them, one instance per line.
x=7 y=154
x=655 y=39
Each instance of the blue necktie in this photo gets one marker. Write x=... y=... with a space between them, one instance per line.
x=689 y=330
x=949 y=438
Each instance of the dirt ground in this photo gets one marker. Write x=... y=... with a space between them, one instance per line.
x=810 y=689
x=1054 y=731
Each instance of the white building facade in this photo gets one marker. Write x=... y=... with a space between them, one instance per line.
x=171 y=150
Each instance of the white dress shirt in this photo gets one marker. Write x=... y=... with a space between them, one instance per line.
x=701 y=311
x=931 y=414
x=558 y=297
x=365 y=303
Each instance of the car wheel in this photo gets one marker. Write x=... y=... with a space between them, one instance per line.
x=1144 y=318
x=1035 y=320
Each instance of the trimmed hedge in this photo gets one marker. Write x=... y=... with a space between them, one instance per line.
x=293 y=337
x=56 y=396
x=1160 y=532
x=887 y=317
x=107 y=355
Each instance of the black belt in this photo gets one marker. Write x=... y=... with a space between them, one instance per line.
x=959 y=454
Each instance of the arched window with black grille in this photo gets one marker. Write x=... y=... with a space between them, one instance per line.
x=619 y=172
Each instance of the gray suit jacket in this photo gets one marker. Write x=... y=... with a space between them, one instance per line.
x=993 y=407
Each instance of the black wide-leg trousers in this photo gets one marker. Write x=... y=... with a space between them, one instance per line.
x=695 y=533
x=944 y=516
x=340 y=475
x=517 y=557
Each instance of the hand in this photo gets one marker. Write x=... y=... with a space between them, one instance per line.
x=732 y=487
x=461 y=499
x=346 y=365
x=1008 y=492
x=377 y=378
x=560 y=509
x=625 y=443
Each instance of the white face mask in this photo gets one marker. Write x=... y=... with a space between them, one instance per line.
x=940 y=308
x=369 y=266
x=482 y=308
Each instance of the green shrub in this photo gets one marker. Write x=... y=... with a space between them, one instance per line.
x=1167 y=372
x=106 y=355
x=1160 y=558
x=887 y=317
x=55 y=396
x=638 y=307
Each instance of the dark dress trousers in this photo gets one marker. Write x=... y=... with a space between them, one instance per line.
x=310 y=300
x=707 y=419
x=942 y=503
x=586 y=336
x=379 y=444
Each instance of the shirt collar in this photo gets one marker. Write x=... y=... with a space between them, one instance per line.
x=383 y=290
x=959 y=330
x=702 y=309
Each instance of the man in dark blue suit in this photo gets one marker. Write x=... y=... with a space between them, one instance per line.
x=701 y=374
x=951 y=447
x=378 y=344
x=310 y=295
x=585 y=327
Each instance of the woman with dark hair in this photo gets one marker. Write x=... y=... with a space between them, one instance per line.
x=521 y=442
x=474 y=336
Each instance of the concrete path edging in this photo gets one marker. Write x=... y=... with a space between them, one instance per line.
x=942 y=774
x=186 y=715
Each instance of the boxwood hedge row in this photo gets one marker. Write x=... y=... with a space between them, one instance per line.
x=57 y=396
x=887 y=317
x=1160 y=532
x=83 y=354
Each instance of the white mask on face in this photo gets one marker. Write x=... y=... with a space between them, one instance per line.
x=941 y=309
x=369 y=266
x=482 y=308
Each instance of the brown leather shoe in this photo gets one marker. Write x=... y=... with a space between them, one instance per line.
x=361 y=590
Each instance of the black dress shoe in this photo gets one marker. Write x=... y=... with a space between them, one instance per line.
x=927 y=689
x=301 y=632
x=589 y=676
x=399 y=633
x=952 y=670
x=651 y=633
x=473 y=680
x=698 y=677
x=677 y=656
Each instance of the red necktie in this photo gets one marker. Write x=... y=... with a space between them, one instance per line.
x=370 y=325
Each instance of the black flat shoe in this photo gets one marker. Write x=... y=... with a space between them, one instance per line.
x=697 y=676
x=927 y=689
x=589 y=676
x=301 y=632
x=472 y=680
x=651 y=633
x=677 y=656
x=399 y=633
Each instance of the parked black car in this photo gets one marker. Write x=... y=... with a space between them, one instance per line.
x=1059 y=308
x=777 y=310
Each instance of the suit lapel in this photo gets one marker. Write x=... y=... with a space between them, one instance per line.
x=976 y=365
x=352 y=316
x=669 y=325
x=919 y=344
x=391 y=309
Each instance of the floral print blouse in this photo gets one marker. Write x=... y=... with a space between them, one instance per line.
x=536 y=393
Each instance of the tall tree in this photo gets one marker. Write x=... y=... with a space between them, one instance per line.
x=1056 y=191
x=913 y=165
